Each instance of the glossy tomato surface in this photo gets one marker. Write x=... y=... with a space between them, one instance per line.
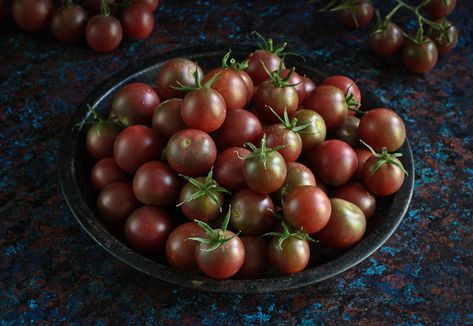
x=297 y=175
x=240 y=127
x=292 y=258
x=103 y=33
x=100 y=139
x=203 y=109
x=228 y=168
x=266 y=175
x=420 y=58
x=387 y=180
x=256 y=263
x=231 y=86
x=280 y=99
x=388 y=40
x=357 y=194
x=314 y=134
x=176 y=72
x=328 y=101
x=68 y=23
x=105 y=172
x=255 y=65
x=180 y=249
x=167 y=118
x=116 y=202
x=32 y=15
x=280 y=135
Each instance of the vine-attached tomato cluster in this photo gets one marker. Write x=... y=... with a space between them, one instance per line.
x=101 y=22
x=246 y=149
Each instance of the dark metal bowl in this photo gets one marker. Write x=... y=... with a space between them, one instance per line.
x=74 y=174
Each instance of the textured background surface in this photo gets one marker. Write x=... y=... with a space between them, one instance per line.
x=50 y=270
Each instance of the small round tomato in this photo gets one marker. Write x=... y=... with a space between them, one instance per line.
x=345 y=84
x=279 y=98
x=314 y=134
x=255 y=65
x=135 y=103
x=147 y=230
x=346 y=226
x=445 y=43
x=167 y=118
x=256 y=261
x=174 y=73
x=151 y=4
x=292 y=257
x=228 y=168
x=191 y=152
x=296 y=80
x=382 y=128
x=348 y=131
x=309 y=86
x=420 y=57
x=281 y=135
x=334 y=161
x=249 y=84
x=103 y=33
x=32 y=15
x=204 y=109
x=330 y=103
x=68 y=23
x=231 y=86
x=180 y=249
x=440 y=8
x=384 y=181
x=358 y=195
x=297 y=175
x=137 y=21
x=100 y=139
x=105 y=172
x=135 y=146
x=359 y=15
x=362 y=154
x=307 y=208
x=240 y=127
x=116 y=202
x=387 y=40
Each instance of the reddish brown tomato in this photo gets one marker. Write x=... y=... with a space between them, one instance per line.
x=176 y=72
x=105 y=172
x=249 y=83
x=137 y=21
x=387 y=180
x=147 y=230
x=191 y=152
x=265 y=175
x=293 y=257
x=116 y=202
x=314 y=134
x=297 y=80
x=256 y=263
x=32 y=15
x=420 y=58
x=68 y=23
x=345 y=84
x=167 y=118
x=330 y=103
x=103 y=33
x=100 y=139
x=297 y=175
x=358 y=16
x=228 y=168
x=358 y=195
x=135 y=146
x=348 y=131
x=152 y=4
x=309 y=86
x=203 y=109
x=240 y=127
x=255 y=68
x=278 y=135
x=387 y=41
x=362 y=154
x=203 y=208
x=445 y=43
x=278 y=98
x=440 y=8
x=231 y=86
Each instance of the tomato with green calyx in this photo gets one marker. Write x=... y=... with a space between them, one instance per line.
x=445 y=39
x=103 y=32
x=420 y=56
x=387 y=39
x=358 y=14
x=297 y=175
x=314 y=134
x=440 y=8
x=357 y=194
x=362 y=154
x=105 y=172
x=167 y=118
x=229 y=168
x=101 y=137
x=296 y=80
x=256 y=263
x=174 y=73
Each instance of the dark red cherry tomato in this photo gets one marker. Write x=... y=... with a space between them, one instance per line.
x=445 y=43
x=167 y=118
x=255 y=68
x=249 y=83
x=152 y=4
x=93 y=7
x=231 y=86
x=358 y=195
x=137 y=21
x=256 y=261
x=203 y=109
x=387 y=180
x=252 y=212
x=387 y=40
x=116 y=202
x=240 y=127
x=348 y=131
x=420 y=58
x=334 y=161
x=147 y=230
x=440 y=8
x=191 y=152
x=358 y=16
x=176 y=72
x=135 y=103
x=278 y=135
x=155 y=184
x=346 y=226
x=103 y=33
x=203 y=208
x=297 y=175
x=100 y=139
x=330 y=103
x=362 y=154
x=297 y=80
x=68 y=23
x=309 y=86
x=135 y=146
x=307 y=207
x=345 y=84
x=280 y=99
x=180 y=250
x=293 y=257
x=382 y=128
x=32 y=15
x=315 y=133
x=228 y=168
x=105 y=172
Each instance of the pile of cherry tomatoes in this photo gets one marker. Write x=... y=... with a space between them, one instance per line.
x=256 y=158
x=102 y=22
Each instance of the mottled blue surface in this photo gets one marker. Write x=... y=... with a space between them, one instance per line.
x=50 y=270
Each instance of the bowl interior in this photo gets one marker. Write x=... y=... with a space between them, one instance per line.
x=75 y=166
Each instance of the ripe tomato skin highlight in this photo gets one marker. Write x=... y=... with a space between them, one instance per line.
x=231 y=86
x=330 y=103
x=103 y=33
x=135 y=146
x=100 y=139
x=32 y=15
x=116 y=202
x=363 y=12
x=203 y=109
x=278 y=134
x=362 y=154
x=155 y=184
x=223 y=262
x=174 y=72
x=68 y=23
x=348 y=132
x=105 y=172
x=388 y=41
x=345 y=84
x=203 y=208
x=297 y=175
x=191 y=152
x=255 y=68
x=315 y=133
x=420 y=58
x=387 y=180
x=293 y=257
x=137 y=21
x=334 y=161
x=147 y=230
x=267 y=177
x=357 y=194
x=249 y=84
x=440 y=8
x=382 y=128
x=167 y=118
x=256 y=263
x=278 y=98
x=228 y=168
x=252 y=212
x=239 y=127
x=307 y=207
x=180 y=250
x=309 y=86
x=135 y=103
x=346 y=226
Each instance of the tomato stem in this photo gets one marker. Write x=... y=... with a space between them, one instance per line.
x=104 y=8
x=383 y=158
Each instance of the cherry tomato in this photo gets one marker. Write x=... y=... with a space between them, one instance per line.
x=445 y=43
x=348 y=131
x=32 y=15
x=252 y=212
x=135 y=146
x=297 y=175
x=293 y=257
x=176 y=72
x=100 y=139
x=137 y=21
x=249 y=84
x=228 y=168
x=309 y=86
x=280 y=99
x=203 y=208
x=240 y=127
x=297 y=80
x=152 y=4
x=345 y=84
x=135 y=104
x=93 y=7
x=388 y=40
x=231 y=86
x=278 y=135
x=147 y=230
x=68 y=23
x=387 y=180
x=358 y=195
x=334 y=161
x=315 y=133
x=180 y=250
x=167 y=118
x=103 y=33
x=358 y=16
x=362 y=154
x=440 y=8
x=191 y=152
x=346 y=226
x=105 y=172
x=420 y=58
x=116 y=202
x=330 y=103
x=256 y=261
x=255 y=68
x=307 y=207
x=155 y=184
x=382 y=128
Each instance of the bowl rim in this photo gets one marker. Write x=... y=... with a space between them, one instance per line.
x=88 y=219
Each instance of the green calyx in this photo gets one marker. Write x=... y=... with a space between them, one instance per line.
x=276 y=76
x=215 y=238
x=383 y=158
x=235 y=65
x=262 y=152
x=98 y=121
x=197 y=83
x=292 y=124
x=287 y=233
x=207 y=188
x=104 y=8
x=267 y=44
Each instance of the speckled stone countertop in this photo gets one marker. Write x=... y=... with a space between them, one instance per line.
x=51 y=271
